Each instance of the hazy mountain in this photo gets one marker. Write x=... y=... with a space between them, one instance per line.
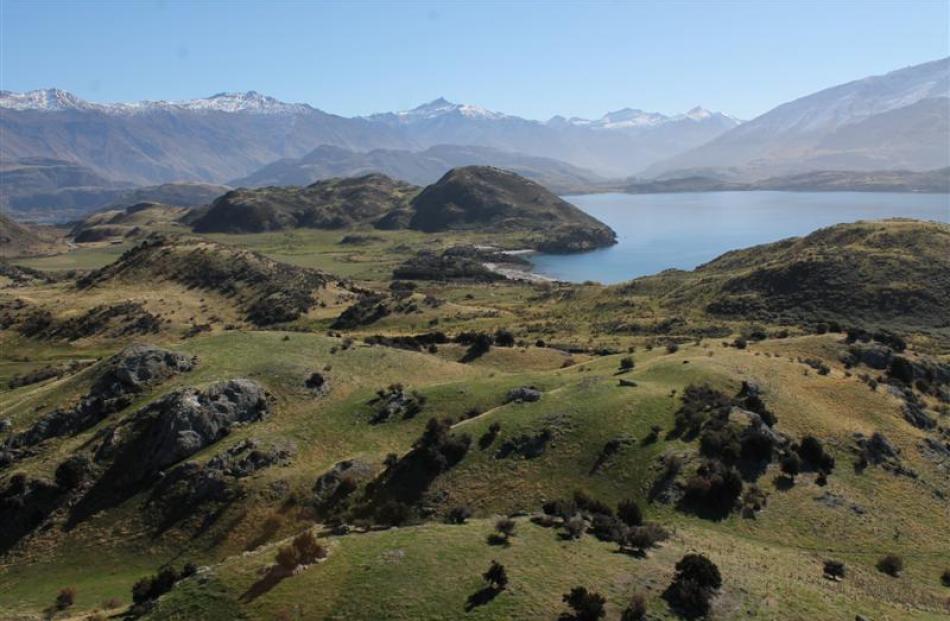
x=932 y=181
x=612 y=146
x=418 y=167
x=895 y=121
x=212 y=140
x=48 y=190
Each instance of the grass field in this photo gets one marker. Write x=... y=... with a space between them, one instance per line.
x=771 y=564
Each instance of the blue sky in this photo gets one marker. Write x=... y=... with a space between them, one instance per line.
x=533 y=59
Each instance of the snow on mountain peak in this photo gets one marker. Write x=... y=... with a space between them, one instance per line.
x=441 y=106
x=55 y=100
x=49 y=99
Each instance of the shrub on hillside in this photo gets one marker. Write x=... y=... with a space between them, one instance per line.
x=504 y=338
x=303 y=550
x=694 y=585
x=586 y=605
x=945 y=578
x=626 y=363
x=791 y=465
x=496 y=576
x=892 y=565
x=506 y=527
x=393 y=513
x=629 y=512
x=65 y=598
x=458 y=515
x=834 y=570
x=636 y=610
x=713 y=491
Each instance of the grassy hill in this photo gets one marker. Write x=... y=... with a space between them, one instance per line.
x=637 y=392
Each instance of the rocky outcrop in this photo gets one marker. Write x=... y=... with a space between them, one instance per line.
x=178 y=426
x=191 y=485
x=124 y=376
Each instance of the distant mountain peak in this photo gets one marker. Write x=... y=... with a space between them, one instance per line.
x=635 y=118
x=442 y=106
x=55 y=100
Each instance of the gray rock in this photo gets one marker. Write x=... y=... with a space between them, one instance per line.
x=328 y=483
x=182 y=423
x=524 y=393
x=125 y=375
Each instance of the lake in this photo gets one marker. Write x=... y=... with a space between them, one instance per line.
x=683 y=230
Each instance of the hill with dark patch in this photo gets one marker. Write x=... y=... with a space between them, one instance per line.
x=331 y=204
x=488 y=198
x=890 y=272
x=266 y=291
x=134 y=220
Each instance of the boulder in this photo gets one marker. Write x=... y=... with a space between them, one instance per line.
x=125 y=375
x=523 y=393
x=179 y=425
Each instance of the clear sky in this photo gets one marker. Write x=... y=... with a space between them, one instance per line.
x=532 y=59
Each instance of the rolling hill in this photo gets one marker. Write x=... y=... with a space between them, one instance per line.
x=417 y=167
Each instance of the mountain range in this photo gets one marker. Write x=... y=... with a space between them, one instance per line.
x=897 y=121
x=418 y=167
x=231 y=135
x=900 y=120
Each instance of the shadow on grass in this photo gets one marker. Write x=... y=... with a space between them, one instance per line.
x=495 y=539
x=783 y=483
x=268 y=581
x=480 y=598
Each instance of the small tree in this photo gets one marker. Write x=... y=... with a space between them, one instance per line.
x=636 y=610
x=892 y=565
x=65 y=598
x=506 y=527
x=629 y=512
x=626 y=363
x=587 y=605
x=694 y=584
x=496 y=576
x=307 y=548
x=834 y=570
x=791 y=465
x=458 y=515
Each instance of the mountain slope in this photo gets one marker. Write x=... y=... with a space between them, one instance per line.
x=210 y=140
x=18 y=239
x=608 y=149
x=893 y=273
x=330 y=204
x=897 y=120
x=417 y=167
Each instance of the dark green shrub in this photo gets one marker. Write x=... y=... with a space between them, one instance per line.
x=496 y=576
x=892 y=565
x=65 y=598
x=693 y=586
x=629 y=512
x=636 y=610
x=587 y=605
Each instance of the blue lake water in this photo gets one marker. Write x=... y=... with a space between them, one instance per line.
x=660 y=231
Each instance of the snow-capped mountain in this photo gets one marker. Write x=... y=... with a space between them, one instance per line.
x=441 y=107
x=56 y=100
x=635 y=119
x=896 y=120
